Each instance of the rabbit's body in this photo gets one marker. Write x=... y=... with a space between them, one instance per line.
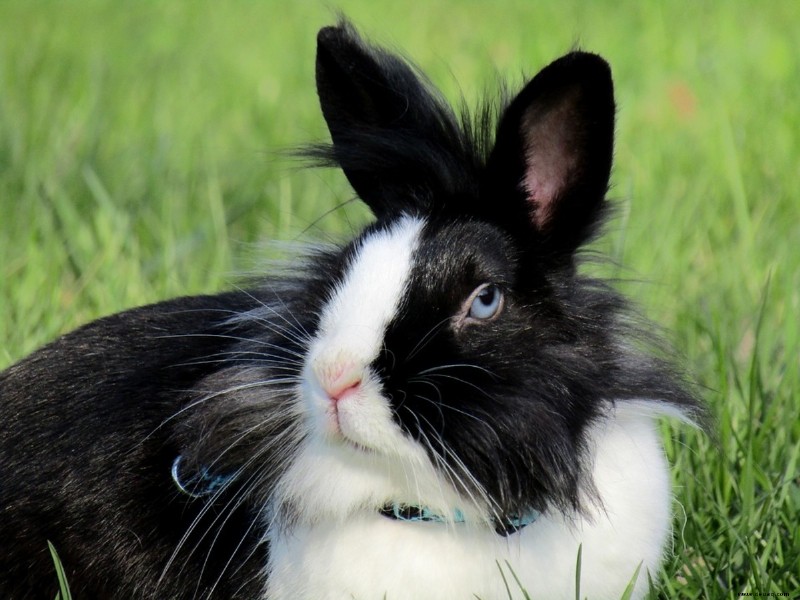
x=439 y=403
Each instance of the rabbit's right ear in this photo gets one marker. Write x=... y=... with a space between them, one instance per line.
x=387 y=124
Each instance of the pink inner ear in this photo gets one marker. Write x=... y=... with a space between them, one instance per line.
x=542 y=187
x=550 y=158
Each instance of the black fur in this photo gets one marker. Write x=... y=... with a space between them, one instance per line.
x=93 y=422
x=86 y=456
x=511 y=399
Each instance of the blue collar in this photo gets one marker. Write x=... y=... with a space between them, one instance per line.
x=412 y=513
x=204 y=483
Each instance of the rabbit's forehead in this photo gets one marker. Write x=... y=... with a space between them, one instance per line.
x=371 y=290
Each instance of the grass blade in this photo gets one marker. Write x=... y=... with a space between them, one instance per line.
x=626 y=595
x=505 y=581
x=64 y=593
x=525 y=594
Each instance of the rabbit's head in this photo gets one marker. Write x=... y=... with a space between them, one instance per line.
x=459 y=356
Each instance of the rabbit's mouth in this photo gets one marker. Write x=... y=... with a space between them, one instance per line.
x=358 y=417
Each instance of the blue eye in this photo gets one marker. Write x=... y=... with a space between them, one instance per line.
x=486 y=302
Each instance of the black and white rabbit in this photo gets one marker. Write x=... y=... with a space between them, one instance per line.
x=441 y=401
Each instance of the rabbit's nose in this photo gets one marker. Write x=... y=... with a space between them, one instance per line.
x=338 y=378
x=341 y=387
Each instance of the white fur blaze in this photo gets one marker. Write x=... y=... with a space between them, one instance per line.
x=350 y=338
x=361 y=307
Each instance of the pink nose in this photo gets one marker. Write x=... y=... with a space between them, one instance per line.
x=338 y=380
x=339 y=390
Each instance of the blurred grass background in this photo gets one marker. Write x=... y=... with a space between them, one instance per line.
x=139 y=159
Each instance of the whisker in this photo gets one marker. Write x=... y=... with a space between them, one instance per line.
x=403 y=401
x=279 y=298
x=289 y=333
x=433 y=453
x=257 y=359
x=271 y=419
x=427 y=338
x=483 y=422
x=430 y=383
x=236 y=338
x=252 y=484
x=393 y=356
x=227 y=564
x=235 y=501
x=456 y=479
x=438 y=368
x=288 y=381
x=443 y=404
x=435 y=404
x=462 y=381
x=490 y=504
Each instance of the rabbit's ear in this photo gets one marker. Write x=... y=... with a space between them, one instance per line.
x=554 y=144
x=359 y=86
x=388 y=125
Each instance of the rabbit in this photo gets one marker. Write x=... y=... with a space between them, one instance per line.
x=443 y=407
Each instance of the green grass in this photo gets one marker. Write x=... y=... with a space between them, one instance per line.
x=63 y=585
x=139 y=160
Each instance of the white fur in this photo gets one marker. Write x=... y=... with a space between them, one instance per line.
x=356 y=459
x=363 y=555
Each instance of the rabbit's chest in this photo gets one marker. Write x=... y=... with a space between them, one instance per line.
x=366 y=555
x=372 y=556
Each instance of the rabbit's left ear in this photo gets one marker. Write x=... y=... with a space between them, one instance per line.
x=554 y=146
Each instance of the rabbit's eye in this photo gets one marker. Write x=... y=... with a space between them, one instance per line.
x=486 y=302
